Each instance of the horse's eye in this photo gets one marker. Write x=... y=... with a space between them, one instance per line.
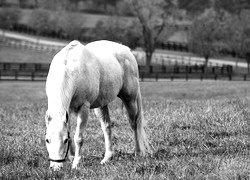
x=66 y=140
x=47 y=141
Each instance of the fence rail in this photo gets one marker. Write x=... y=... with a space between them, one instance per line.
x=39 y=71
x=23 y=44
x=158 y=58
x=23 y=71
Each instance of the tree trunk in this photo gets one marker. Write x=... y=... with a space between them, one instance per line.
x=236 y=63
x=148 y=62
x=20 y=4
x=2 y=3
x=149 y=47
x=36 y=3
x=248 y=66
x=206 y=61
x=3 y=33
x=205 y=64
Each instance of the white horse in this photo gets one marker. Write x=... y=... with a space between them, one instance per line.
x=85 y=77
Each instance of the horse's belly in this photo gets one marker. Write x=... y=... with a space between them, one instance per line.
x=101 y=102
x=108 y=91
x=98 y=93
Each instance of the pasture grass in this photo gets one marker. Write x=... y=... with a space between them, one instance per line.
x=9 y=54
x=197 y=130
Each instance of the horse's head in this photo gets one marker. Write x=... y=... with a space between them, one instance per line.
x=57 y=139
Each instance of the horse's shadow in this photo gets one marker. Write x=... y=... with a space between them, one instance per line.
x=127 y=156
x=91 y=160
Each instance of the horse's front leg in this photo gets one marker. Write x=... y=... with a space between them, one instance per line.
x=103 y=115
x=78 y=138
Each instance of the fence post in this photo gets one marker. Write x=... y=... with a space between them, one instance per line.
x=142 y=78
x=32 y=76
x=156 y=77
x=16 y=75
x=222 y=69
x=196 y=67
x=213 y=70
x=203 y=69
x=176 y=68
x=186 y=76
x=186 y=69
x=190 y=70
x=5 y=66
x=163 y=69
x=172 y=76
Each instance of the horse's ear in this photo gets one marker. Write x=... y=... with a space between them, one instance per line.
x=47 y=118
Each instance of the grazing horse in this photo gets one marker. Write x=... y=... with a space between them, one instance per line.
x=90 y=77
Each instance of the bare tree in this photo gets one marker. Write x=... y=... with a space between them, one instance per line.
x=194 y=7
x=105 y=3
x=40 y=21
x=8 y=18
x=155 y=17
x=232 y=6
x=36 y=4
x=238 y=29
x=118 y=29
x=69 y=24
x=2 y=3
x=205 y=35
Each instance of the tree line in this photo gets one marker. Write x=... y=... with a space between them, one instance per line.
x=213 y=25
x=94 y=6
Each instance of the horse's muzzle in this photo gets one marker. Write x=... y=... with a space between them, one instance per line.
x=56 y=166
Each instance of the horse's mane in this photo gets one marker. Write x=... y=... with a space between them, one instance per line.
x=60 y=84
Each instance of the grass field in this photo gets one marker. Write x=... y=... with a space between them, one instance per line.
x=198 y=130
x=8 y=54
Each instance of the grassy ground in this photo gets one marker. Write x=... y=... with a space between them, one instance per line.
x=198 y=130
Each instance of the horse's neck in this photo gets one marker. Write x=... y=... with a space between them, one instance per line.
x=57 y=108
x=59 y=101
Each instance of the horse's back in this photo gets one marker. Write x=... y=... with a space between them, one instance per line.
x=106 y=48
x=127 y=62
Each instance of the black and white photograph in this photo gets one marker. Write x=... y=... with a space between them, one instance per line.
x=125 y=89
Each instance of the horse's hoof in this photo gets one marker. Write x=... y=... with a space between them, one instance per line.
x=76 y=163
x=107 y=157
x=74 y=167
x=54 y=166
x=71 y=158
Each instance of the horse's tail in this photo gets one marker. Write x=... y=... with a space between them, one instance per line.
x=141 y=124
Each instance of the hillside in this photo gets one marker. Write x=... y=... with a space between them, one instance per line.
x=88 y=22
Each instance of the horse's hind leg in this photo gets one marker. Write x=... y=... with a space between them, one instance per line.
x=133 y=105
x=103 y=115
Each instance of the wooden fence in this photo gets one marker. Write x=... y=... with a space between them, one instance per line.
x=23 y=71
x=39 y=71
x=157 y=59
x=27 y=45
